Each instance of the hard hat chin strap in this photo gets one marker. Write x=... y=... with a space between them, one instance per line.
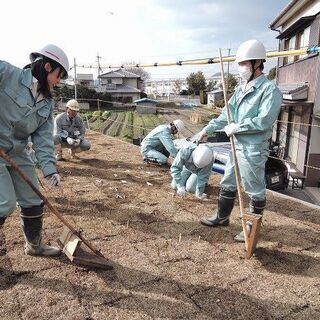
x=253 y=62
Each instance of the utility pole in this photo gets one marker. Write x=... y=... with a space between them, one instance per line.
x=75 y=78
x=99 y=69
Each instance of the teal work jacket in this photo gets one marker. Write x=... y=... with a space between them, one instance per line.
x=22 y=117
x=254 y=110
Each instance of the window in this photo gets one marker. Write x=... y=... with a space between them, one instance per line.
x=109 y=81
x=303 y=41
x=298 y=41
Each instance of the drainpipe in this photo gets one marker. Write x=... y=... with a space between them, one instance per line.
x=276 y=30
x=278 y=126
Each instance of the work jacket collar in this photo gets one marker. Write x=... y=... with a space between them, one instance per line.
x=27 y=78
x=255 y=83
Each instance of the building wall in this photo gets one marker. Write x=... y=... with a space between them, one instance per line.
x=114 y=80
x=146 y=108
x=134 y=96
x=130 y=82
x=301 y=71
x=314 y=155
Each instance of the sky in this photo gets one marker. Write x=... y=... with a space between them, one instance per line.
x=140 y=31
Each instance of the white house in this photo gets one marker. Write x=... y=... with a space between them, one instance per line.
x=121 y=84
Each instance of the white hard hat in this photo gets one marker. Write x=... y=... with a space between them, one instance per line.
x=251 y=50
x=202 y=156
x=73 y=105
x=178 y=124
x=54 y=53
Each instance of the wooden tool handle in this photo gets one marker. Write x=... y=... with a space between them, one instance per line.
x=233 y=149
x=46 y=201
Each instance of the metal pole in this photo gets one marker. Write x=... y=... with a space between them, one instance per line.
x=75 y=78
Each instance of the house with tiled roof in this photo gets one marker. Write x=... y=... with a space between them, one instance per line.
x=122 y=85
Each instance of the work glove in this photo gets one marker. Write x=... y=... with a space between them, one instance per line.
x=231 y=129
x=29 y=149
x=53 y=180
x=76 y=142
x=181 y=191
x=70 y=141
x=202 y=196
x=202 y=135
x=64 y=134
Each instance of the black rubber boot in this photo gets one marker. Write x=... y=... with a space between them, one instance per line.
x=222 y=214
x=256 y=207
x=31 y=222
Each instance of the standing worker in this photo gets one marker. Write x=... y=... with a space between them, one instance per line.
x=26 y=106
x=254 y=107
x=191 y=170
x=70 y=131
x=158 y=145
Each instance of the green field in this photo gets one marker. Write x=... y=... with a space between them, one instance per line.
x=125 y=125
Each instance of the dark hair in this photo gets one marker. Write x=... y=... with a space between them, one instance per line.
x=262 y=65
x=40 y=73
x=173 y=127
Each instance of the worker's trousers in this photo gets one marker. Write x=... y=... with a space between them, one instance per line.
x=188 y=179
x=84 y=144
x=13 y=189
x=252 y=160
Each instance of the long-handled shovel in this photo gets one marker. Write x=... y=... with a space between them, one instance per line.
x=70 y=239
x=250 y=222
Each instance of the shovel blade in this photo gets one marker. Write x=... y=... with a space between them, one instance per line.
x=251 y=236
x=75 y=250
x=90 y=260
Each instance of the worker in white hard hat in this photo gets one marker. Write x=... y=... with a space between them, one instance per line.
x=191 y=170
x=158 y=145
x=70 y=131
x=254 y=108
x=26 y=107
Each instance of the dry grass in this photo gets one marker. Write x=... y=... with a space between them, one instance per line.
x=166 y=265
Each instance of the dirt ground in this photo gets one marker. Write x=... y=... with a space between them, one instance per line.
x=166 y=265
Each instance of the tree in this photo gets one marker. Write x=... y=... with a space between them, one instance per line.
x=177 y=85
x=196 y=82
x=211 y=85
x=142 y=73
x=272 y=73
x=231 y=83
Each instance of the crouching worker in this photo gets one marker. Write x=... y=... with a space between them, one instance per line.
x=191 y=170
x=70 y=131
x=158 y=145
x=26 y=107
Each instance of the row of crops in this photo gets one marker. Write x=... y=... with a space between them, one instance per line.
x=126 y=125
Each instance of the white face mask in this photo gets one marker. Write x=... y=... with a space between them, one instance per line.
x=245 y=72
